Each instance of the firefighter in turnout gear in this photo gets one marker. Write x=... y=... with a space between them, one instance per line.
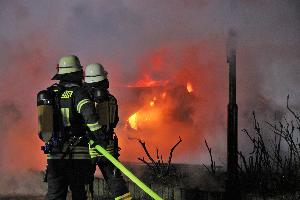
x=65 y=113
x=97 y=85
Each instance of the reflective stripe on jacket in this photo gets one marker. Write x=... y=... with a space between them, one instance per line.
x=78 y=152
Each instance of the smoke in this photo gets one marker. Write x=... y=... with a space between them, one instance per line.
x=25 y=183
x=180 y=41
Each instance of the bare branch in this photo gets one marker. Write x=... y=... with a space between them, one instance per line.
x=146 y=151
x=206 y=167
x=212 y=163
x=172 y=150
x=157 y=156
x=171 y=154
x=159 y=168
x=293 y=112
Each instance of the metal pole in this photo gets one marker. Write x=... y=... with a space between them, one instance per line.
x=232 y=186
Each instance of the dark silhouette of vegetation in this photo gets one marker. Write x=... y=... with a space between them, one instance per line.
x=273 y=165
x=162 y=171
x=212 y=168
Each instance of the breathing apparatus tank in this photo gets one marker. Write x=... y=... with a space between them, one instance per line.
x=45 y=115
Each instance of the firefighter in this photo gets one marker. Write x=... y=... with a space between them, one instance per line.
x=65 y=112
x=97 y=85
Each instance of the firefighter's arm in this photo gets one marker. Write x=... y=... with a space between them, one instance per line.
x=86 y=108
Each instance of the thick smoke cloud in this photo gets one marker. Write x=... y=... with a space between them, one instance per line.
x=125 y=36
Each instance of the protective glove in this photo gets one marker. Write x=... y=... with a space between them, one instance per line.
x=99 y=138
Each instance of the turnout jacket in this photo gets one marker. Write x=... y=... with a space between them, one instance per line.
x=75 y=116
x=107 y=109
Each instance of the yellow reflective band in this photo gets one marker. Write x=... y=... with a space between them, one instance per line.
x=80 y=151
x=67 y=94
x=93 y=124
x=94 y=127
x=126 y=196
x=80 y=148
x=66 y=116
x=81 y=103
x=97 y=155
x=67 y=157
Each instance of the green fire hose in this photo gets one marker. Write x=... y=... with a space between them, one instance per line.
x=125 y=171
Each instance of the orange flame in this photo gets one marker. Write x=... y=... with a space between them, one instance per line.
x=163 y=95
x=189 y=87
x=176 y=110
x=152 y=103
x=132 y=120
x=146 y=116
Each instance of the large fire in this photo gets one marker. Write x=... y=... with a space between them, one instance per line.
x=167 y=102
x=150 y=113
x=159 y=114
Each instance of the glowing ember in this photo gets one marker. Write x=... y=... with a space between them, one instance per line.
x=133 y=121
x=189 y=87
x=151 y=103
x=163 y=95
